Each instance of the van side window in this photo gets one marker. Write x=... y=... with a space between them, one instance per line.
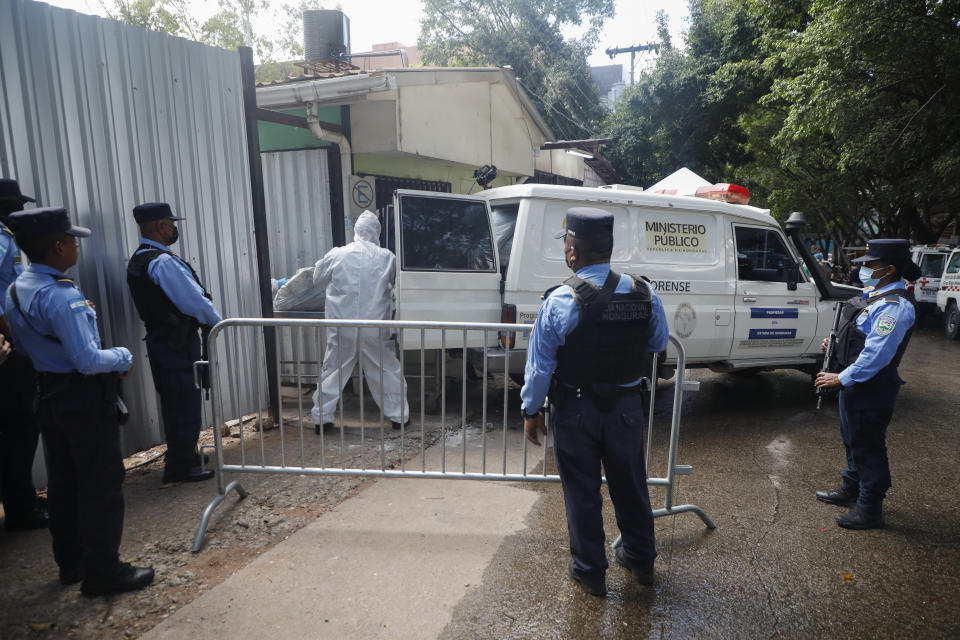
x=954 y=266
x=761 y=255
x=504 y=226
x=445 y=234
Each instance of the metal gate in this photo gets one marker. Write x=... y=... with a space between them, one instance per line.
x=444 y=432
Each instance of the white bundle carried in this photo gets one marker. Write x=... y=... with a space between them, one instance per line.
x=299 y=293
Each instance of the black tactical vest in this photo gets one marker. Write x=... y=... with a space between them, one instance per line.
x=609 y=345
x=153 y=305
x=851 y=340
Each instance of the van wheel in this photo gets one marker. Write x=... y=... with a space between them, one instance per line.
x=951 y=322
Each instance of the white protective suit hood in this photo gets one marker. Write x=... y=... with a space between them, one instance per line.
x=367 y=228
x=358 y=278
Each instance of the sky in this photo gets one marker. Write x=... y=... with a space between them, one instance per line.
x=375 y=21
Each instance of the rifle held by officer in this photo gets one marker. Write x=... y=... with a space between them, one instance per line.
x=831 y=345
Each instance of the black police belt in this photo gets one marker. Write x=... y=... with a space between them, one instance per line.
x=602 y=392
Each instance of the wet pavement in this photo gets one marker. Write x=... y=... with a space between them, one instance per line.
x=495 y=566
x=777 y=565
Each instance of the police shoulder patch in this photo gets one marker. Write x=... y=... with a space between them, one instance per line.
x=77 y=304
x=886 y=324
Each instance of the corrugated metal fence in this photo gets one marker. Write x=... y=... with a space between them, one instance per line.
x=99 y=116
x=296 y=187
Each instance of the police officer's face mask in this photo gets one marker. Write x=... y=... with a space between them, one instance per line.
x=866 y=276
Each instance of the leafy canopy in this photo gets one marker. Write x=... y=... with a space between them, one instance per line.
x=845 y=109
x=529 y=37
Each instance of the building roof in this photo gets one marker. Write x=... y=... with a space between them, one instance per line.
x=344 y=88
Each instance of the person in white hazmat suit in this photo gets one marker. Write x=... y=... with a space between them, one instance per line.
x=358 y=278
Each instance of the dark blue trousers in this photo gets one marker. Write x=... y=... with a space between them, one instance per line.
x=81 y=437
x=18 y=435
x=180 y=400
x=863 y=428
x=584 y=439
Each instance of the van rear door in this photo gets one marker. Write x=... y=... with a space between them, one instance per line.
x=447 y=265
x=931 y=268
x=770 y=320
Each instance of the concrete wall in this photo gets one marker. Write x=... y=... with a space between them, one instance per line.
x=465 y=117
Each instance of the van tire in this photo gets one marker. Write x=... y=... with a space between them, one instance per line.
x=951 y=321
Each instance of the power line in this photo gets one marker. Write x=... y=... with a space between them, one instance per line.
x=551 y=107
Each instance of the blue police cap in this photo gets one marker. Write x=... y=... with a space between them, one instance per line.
x=43 y=221
x=588 y=224
x=10 y=190
x=153 y=211
x=888 y=250
x=892 y=251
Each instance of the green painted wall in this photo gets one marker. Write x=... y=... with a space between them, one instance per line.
x=280 y=137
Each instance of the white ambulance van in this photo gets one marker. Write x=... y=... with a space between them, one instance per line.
x=948 y=296
x=727 y=274
x=932 y=259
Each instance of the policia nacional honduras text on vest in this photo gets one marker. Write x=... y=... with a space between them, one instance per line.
x=608 y=347
x=158 y=313
x=851 y=340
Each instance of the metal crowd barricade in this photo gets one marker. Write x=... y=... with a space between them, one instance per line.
x=485 y=353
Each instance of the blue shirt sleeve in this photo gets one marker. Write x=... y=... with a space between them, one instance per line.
x=558 y=316
x=659 y=331
x=885 y=326
x=184 y=292
x=75 y=324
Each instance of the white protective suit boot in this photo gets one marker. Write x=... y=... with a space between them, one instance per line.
x=358 y=279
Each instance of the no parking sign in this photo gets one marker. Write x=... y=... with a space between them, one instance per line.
x=363 y=195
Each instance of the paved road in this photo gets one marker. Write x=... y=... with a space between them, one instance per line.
x=777 y=565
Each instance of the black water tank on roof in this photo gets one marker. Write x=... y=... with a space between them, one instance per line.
x=326 y=34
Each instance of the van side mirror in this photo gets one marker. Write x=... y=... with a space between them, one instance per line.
x=793 y=276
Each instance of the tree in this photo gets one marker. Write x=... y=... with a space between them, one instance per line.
x=844 y=109
x=528 y=37
x=231 y=26
x=873 y=85
x=685 y=111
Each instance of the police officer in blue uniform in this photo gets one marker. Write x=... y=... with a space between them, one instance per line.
x=591 y=348
x=18 y=427
x=873 y=335
x=174 y=306
x=77 y=411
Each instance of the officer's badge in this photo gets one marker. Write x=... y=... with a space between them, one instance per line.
x=885 y=325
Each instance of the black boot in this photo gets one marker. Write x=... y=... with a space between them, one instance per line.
x=194 y=474
x=643 y=576
x=36 y=518
x=125 y=578
x=857 y=518
x=595 y=586
x=840 y=497
x=327 y=427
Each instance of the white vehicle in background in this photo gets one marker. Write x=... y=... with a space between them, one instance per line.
x=948 y=297
x=932 y=259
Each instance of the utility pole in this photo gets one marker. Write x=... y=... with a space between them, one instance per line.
x=633 y=53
